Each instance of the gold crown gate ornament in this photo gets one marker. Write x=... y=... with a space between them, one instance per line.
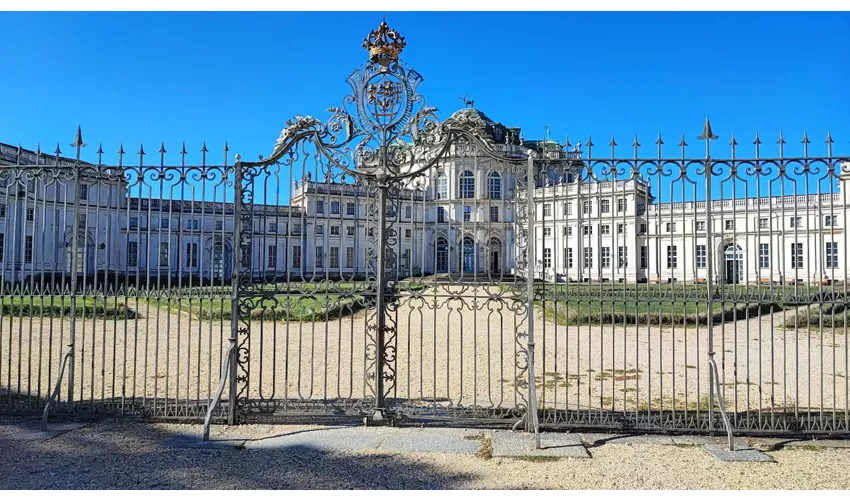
x=384 y=44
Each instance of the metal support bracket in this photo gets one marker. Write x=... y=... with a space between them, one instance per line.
x=225 y=373
x=721 y=400
x=55 y=393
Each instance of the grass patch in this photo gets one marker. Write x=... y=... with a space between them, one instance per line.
x=815 y=319
x=280 y=308
x=57 y=307
x=661 y=313
x=486 y=450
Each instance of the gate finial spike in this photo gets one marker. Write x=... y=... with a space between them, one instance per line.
x=682 y=143
x=567 y=142
x=162 y=148
x=781 y=138
x=829 y=137
x=805 y=138
x=99 y=148
x=733 y=142
x=659 y=141
x=707 y=134
x=57 y=152
x=589 y=142
x=636 y=143
x=226 y=149
x=757 y=141
x=183 y=150
x=141 y=149
x=78 y=139
x=613 y=142
x=204 y=148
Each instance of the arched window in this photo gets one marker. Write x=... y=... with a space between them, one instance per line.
x=442 y=187
x=495 y=186
x=467 y=185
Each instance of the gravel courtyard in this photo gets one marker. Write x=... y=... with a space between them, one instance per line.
x=114 y=454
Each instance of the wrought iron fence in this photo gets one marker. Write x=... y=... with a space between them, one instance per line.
x=385 y=265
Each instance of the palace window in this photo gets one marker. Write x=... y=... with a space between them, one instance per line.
x=334 y=230
x=320 y=229
x=547 y=231
x=335 y=208
x=796 y=255
x=606 y=257
x=621 y=204
x=133 y=253
x=671 y=227
x=272 y=227
x=272 y=258
x=192 y=254
x=164 y=223
x=30 y=214
x=467 y=184
x=296 y=256
x=494 y=214
x=764 y=224
x=588 y=230
x=441 y=214
x=349 y=231
x=467 y=213
x=408 y=233
x=604 y=206
x=334 y=257
x=796 y=221
x=547 y=258
x=84 y=191
x=442 y=187
x=568 y=209
x=764 y=255
x=830 y=220
x=643 y=257
x=587 y=207
x=621 y=228
x=622 y=257
x=495 y=183
x=831 y=255
x=729 y=224
x=605 y=229
x=408 y=211
x=672 y=262
x=588 y=257
x=163 y=254
x=643 y=228
x=547 y=210
x=349 y=256
x=569 y=252
x=320 y=206
x=350 y=209
x=28 y=249
x=320 y=256
x=701 y=256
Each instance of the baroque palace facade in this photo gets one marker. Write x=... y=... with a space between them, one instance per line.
x=461 y=219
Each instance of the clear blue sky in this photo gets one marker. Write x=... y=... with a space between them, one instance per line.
x=172 y=77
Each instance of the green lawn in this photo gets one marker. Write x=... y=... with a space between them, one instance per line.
x=87 y=307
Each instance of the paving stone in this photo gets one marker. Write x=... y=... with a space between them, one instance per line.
x=742 y=454
x=595 y=440
x=339 y=439
x=187 y=442
x=721 y=441
x=33 y=432
x=521 y=444
x=432 y=440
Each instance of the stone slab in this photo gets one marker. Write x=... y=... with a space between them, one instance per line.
x=742 y=454
x=521 y=444
x=593 y=440
x=721 y=441
x=339 y=439
x=33 y=432
x=433 y=440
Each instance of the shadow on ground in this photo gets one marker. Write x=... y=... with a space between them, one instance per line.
x=130 y=455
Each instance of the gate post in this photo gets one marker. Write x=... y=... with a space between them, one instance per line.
x=381 y=291
x=531 y=422
x=235 y=278
x=713 y=373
